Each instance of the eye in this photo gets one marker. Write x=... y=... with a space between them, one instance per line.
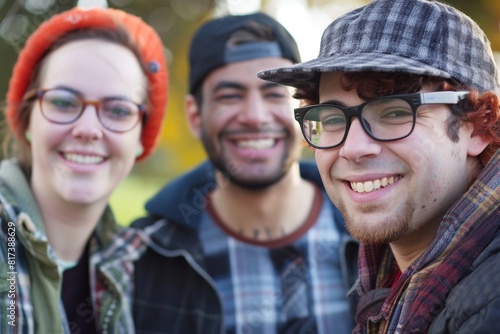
x=119 y=109
x=331 y=119
x=396 y=115
x=275 y=93
x=333 y=123
x=61 y=101
x=388 y=111
x=228 y=97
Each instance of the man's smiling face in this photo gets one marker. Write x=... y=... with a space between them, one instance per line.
x=246 y=123
x=391 y=191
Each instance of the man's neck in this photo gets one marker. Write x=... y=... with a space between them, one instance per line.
x=406 y=250
x=270 y=213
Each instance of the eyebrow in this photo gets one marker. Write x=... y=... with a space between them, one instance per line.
x=227 y=84
x=268 y=85
x=236 y=85
x=68 y=88
x=335 y=102
x=78 y=93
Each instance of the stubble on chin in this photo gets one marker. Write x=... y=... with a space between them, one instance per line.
x=251 y=181
x=380 y=230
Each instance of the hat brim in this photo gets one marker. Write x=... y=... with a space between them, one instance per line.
x=304 y=75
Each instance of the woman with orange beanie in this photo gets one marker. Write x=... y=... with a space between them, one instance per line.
x=86 y=100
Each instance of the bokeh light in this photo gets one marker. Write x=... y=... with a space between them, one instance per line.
x=92 y=3
x=37 y=6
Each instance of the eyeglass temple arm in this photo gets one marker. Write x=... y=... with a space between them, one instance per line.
x=447 y=97
x=31 y=94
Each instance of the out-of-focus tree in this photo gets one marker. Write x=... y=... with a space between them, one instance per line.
x=18 y=19
x=487 y=15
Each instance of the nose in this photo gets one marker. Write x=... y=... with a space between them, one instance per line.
x=87 y=126
x=358 y=144
x=254 y=112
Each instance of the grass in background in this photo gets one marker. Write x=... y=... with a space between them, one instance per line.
x=128 y=200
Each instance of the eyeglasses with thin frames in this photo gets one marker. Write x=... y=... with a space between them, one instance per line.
x=64 y=106
x=386 y=118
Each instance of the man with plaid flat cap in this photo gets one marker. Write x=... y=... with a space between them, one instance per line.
x=248 y=242
x=406 y=125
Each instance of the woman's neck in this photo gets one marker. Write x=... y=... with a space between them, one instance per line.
x=68 y=226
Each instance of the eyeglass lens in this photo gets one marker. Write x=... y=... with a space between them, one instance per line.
x=383 y=119
x=63 y=107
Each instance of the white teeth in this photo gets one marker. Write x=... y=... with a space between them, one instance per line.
x=258 y=144
x=83 y=159
x=368 y=186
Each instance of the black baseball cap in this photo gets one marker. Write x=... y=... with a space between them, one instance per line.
x=209 y=51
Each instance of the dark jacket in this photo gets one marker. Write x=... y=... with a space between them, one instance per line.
x=174 y=293
x=475 y=299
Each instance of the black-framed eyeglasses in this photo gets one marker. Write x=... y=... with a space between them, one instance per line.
x=386 y=118
x=63 y=106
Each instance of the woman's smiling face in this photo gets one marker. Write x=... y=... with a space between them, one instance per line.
x=83 y=162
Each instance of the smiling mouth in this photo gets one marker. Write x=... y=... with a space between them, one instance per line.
x=257 y=144
x=83 y=159
x=369 y=186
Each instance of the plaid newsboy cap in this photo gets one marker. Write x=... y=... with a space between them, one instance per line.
x=410 y=36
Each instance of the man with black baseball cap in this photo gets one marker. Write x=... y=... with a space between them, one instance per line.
x=405 y=103
x=247 y=242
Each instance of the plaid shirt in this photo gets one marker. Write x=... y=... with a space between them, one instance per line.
x=296 y=288
x=421 y=292
x=30 y=279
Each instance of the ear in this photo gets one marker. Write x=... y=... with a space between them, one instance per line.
x=27 y=132
x=476 y=146
x=193 y=115
x=476 y=143
x=139 y=151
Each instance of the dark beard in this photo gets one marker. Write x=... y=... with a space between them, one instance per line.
x=231 y=174
x=252 y=185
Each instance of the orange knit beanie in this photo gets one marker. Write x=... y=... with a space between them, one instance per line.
x=147 y=41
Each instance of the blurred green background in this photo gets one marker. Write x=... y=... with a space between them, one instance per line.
x=175 y=21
